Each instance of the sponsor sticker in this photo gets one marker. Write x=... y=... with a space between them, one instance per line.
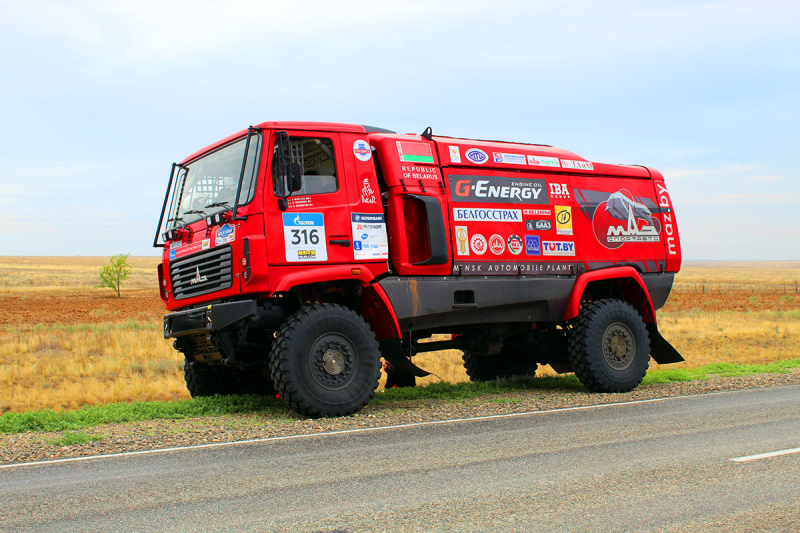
x=497 y=190
x=175 y=244
x=206 y=244
x=563 y=219
x=486 y=215
x=510 y=159
x=533 y=245
x=362 y=150
x=462 y=236
x=476 y=156
x=558 y=248
x=515 y=245
x=580 y=165
x=537 y=212
x=478 y=244
x=624 y=218
x=411 y=152
x=369 y=236
x=538 y=225
x=455 y=154
x=172 y=254
x=542 y=161
x=497 y=244
x=304 y=237
x=368 y=193
x=559 y=191
x=225 y=233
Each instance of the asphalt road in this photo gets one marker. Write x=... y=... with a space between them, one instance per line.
x=655 y=466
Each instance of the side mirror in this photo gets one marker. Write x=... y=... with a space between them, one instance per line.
x=295 y=177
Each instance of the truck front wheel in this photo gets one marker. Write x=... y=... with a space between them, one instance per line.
x=325 y=361
x=608 y=346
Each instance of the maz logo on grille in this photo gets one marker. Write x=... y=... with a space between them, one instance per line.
x=198 y=278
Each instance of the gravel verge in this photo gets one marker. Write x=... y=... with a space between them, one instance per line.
x=159 y=434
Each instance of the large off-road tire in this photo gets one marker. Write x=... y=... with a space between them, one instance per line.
x=325 y=361
x=205 y=380
x=201 y=380
x=509 y=362
x=608 y=346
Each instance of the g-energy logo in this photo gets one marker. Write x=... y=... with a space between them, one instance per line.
x=496 y=189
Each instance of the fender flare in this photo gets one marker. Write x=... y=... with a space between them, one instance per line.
x=633 y=288
x=377 y=310
x=318 y=274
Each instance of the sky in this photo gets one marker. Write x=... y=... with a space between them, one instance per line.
x=99 y=98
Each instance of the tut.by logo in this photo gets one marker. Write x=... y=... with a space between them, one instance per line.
x=476 y=156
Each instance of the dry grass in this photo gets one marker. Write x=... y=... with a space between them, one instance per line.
x=87 y=363
x=712 y=337
x=41 y=274
x=68 y=367
x=757 y=276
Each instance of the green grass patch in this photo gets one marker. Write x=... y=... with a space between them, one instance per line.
x=676 y=375
x=390 y=400
x=74 y=437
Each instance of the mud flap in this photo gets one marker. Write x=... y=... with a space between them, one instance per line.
x=660 y=349
x=392 y=351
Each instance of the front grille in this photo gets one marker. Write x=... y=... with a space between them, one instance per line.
x=202 y=273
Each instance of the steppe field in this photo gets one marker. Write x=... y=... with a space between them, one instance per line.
x=65 y=343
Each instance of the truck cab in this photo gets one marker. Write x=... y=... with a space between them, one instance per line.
x=297 y=254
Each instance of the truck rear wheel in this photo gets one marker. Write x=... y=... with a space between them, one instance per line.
x=509 y=362
x=608 y=346
x=325 y=361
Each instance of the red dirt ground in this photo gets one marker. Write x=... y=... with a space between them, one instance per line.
x=88 y=307
x=143 y=304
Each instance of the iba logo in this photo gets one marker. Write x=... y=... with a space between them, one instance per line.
x=621 y=218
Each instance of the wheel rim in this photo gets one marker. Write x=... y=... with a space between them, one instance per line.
x=333 y=361
x=619 y=346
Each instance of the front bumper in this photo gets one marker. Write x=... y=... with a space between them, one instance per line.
x=206 y=320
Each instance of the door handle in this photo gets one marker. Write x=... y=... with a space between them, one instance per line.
x=342 y=242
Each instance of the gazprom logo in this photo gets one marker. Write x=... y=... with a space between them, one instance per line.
x=476 y=156
x=303 y=219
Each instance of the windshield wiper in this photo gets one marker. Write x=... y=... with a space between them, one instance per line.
x=176 y=219
x=218 y=204
x=194 y=212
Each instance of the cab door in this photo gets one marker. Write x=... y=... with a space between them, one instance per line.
x=315 y=227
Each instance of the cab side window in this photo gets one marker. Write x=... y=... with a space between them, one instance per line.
x=317 y=166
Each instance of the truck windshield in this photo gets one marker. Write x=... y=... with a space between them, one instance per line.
x=208 y=185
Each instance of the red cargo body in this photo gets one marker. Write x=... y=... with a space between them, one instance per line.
x=524 y=254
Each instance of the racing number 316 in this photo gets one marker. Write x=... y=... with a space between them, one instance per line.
x=303 y=236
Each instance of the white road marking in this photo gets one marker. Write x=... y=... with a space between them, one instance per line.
x=341 y=432
x=765 y=455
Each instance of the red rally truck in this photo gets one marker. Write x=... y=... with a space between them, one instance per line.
x=297 y=254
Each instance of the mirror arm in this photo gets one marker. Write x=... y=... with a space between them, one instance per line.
x=164 y=207
x=250 y=131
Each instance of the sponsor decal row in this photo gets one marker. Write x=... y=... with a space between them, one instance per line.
x=531 y=245
x=224 y=234
x=479 y=157
x=503 y=190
